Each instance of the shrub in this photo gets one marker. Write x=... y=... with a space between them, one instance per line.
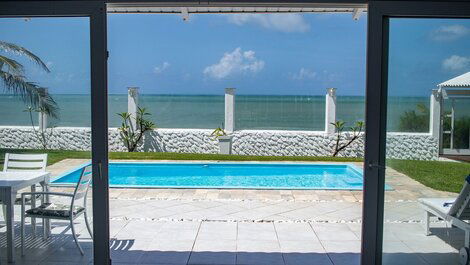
x=415 y=120
x=132 y=136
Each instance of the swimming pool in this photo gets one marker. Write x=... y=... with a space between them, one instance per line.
x=228 y=175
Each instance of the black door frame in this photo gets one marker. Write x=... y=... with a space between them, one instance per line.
x=96 y=12
x=379 y=14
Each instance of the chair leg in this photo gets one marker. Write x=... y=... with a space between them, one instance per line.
x=4 y=210
x=44 y=229
x=33 y=205
x=75 y=237
x=467 y=238
x=88 y=224
x=22 y=229
x=427 y=216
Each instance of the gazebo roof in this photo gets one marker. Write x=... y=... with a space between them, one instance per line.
x=461 y=81
x=457 y=87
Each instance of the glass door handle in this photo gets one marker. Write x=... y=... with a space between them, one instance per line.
x=100 y=172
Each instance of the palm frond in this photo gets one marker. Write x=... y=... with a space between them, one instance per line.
x=30 y=93
x=12 y=65
x=10 y=47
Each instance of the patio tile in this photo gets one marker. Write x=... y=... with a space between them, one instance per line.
x=215 y=244
x=175 y=245
x=133 y=230
x=345 y=258
x=293 y=246
x=213 y=258
x=333 y=231
x=441 y=258
x=256 y=231
x=341 y=246
x=67 y=255
x=258 y=246
x=307 y=259
x=259 y=258
x=402 y=258
x=165 y=257
x=295 y=231
x=128 y=250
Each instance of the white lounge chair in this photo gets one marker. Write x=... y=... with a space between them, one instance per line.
x=455 y=211
x=25 y=162
x=60 y=211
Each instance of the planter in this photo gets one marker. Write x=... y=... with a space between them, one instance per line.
x=225 y=145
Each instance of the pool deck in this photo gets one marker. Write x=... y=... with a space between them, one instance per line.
x=218 y=226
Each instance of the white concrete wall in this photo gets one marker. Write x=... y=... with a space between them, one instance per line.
x=246 y=142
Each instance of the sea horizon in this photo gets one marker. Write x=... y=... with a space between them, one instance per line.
x=206 y=111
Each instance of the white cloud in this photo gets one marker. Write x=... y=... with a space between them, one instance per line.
x=303 y=74
x=278 y=22
x=455 y=63
x=449 y=33
x=234 y=62
x=161 y=68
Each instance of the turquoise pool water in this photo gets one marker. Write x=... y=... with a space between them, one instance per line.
x=229 y=175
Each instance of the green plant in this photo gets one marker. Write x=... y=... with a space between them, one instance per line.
x=132 y=136
x=355 y=130
x=42 y=134
x=218 y=132
x=415 y=120
x=12 y=76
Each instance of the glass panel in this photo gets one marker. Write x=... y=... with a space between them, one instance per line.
x=263 y=193
x=278 y=87
x=421 y=183
x=280 y=112
x=45 y=109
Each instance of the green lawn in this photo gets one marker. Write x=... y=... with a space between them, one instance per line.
x=439 y=175
x=445 y=176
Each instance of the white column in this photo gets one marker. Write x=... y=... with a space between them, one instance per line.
x=435 y=114
x=42 y=118
x=330 y=110
x=229 y=110
x=132 y=104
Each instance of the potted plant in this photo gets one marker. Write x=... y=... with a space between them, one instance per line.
x=225 y=141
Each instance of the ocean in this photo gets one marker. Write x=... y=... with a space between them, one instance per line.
x=270 y=112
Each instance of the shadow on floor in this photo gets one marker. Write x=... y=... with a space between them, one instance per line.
x=60 y=249
x=454 y=237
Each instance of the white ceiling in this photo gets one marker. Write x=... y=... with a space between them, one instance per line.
x=151 y=8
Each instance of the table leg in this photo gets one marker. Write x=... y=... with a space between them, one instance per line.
x=10 y=205
x=33 y=205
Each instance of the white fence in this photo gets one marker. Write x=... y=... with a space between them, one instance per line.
x=421 y=146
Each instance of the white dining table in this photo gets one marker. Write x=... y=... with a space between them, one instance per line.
x=10 y=184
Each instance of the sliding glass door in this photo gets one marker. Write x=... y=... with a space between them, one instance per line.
x=418 y=64
x=53 y=80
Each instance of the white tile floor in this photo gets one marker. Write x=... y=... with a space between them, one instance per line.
x=251 y=227
x=246 y=232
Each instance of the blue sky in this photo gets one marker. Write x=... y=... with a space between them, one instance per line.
x=256 y=53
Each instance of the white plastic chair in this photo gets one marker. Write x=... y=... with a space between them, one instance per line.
x=455 y=211
x=27 y=163
x=68 y=212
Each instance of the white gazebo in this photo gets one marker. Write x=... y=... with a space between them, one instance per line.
x=452 y=89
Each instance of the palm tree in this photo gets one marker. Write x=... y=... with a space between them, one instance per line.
x=14 y=80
